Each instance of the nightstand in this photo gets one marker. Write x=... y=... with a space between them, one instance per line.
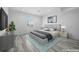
x=64 y=34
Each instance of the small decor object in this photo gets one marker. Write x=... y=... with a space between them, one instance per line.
x=52 y=19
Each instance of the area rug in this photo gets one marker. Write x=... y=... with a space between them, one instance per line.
x=42 y=47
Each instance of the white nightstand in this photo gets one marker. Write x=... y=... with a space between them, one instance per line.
x=64 y=34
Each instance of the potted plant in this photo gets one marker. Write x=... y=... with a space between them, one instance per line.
x=11 y=28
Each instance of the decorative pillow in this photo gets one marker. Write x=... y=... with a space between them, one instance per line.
x=51 y=29
x=46 y=29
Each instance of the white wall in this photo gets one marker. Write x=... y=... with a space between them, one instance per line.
x=19 y=19
x=71 y=20
x=45 y=18
x=68 y=18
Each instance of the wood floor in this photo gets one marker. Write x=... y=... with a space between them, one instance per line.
x=19 y=45
x=23 y=45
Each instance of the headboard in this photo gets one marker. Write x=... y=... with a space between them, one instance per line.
x=53 y=26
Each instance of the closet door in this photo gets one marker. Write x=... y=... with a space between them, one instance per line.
x=3 y=19
x=0 y=19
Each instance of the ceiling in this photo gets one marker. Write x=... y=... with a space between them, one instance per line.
x=41 y=11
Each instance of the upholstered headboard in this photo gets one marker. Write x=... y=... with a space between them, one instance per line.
x=53 y=26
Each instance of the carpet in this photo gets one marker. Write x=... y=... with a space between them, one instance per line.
x=42 y=47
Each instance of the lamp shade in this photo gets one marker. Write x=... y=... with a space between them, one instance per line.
x=63 y=27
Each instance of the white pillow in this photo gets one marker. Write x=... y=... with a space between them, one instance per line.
x=3 y=32
x=51 y=29
x=45 y=28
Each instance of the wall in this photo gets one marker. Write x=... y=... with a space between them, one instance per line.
x=19 y=19
x=71 y=20
x=45 y=18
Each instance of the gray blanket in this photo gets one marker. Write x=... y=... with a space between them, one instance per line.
x=43 y=35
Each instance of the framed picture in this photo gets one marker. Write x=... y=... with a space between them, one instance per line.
x=52 y=19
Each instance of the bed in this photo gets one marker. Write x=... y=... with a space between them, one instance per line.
x=48 y=33
x=43 y=36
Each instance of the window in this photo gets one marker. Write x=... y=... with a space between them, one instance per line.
x=29 y=20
